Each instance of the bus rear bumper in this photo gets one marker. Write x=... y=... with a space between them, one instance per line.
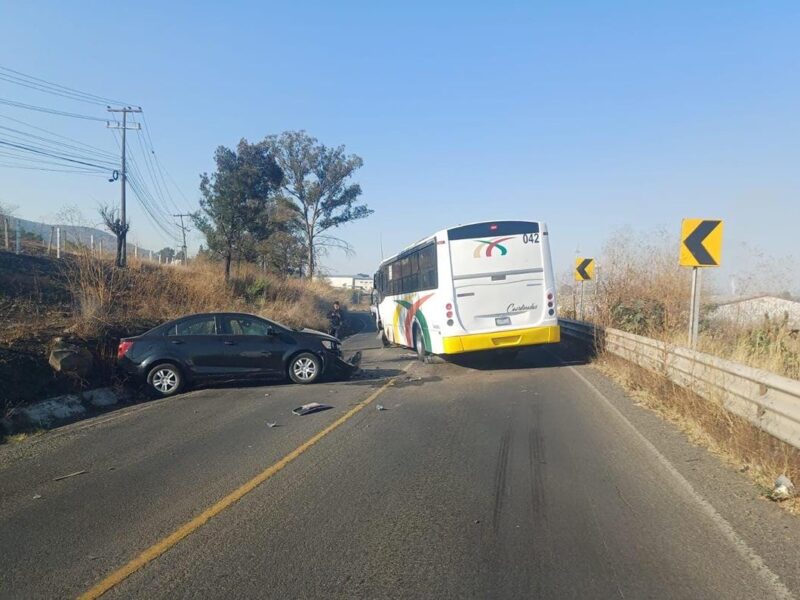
x=512 y=338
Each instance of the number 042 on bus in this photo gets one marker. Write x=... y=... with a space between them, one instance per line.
x=483 y=286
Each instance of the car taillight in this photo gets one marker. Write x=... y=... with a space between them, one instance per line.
x=124 y=346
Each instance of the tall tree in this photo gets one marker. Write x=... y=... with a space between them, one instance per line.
x=316 y=180
x=236 y=198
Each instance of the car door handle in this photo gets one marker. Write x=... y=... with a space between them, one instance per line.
x=229 y=343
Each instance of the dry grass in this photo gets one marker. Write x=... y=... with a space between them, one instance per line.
x=643 y=290
x=144 y=293
x=742 y=445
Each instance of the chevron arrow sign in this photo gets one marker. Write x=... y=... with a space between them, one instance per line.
x=584 y=269
x=701 y=243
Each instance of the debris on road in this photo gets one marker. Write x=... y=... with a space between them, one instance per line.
x=75 y=474
x=37 y=496
x=381 y=407
x=783 y=490
x=267 y=394
x=310 y=408
x=271 y=425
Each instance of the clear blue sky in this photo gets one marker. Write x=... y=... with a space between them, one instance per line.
x=590 y=116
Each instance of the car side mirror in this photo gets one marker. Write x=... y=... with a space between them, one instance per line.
x=270 y=331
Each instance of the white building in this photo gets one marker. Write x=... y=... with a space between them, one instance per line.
x=751 y=311
x=359 y=281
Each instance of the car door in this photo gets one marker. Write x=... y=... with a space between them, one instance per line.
x=195 y=341
x=252 y=346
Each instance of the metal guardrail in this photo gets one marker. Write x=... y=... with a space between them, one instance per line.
x=768 y=401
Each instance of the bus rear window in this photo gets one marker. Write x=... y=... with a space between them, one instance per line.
x=477 y=230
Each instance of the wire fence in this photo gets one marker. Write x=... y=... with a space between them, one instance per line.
x=58 y=242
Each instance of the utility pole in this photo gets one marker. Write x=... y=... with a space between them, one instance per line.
x=183 y=231
x=124 y=127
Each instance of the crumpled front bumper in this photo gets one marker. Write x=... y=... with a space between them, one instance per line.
x=340 y=367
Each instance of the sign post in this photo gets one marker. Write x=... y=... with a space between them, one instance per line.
x=701 y=246
x=584 y=270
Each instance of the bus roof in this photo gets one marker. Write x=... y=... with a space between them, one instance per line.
x=432 y=237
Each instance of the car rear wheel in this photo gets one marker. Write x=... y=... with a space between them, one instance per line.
x=305 y=368
x=165 y=380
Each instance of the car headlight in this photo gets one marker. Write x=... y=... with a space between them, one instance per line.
x=330 y=345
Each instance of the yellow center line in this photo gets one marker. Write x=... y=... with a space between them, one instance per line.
x=190 y=527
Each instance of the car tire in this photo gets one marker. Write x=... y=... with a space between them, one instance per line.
x=419 y=344
x=164 y=380
x=305 y=368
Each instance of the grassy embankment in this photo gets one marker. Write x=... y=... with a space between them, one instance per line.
x=642 y=290
x=87 y=301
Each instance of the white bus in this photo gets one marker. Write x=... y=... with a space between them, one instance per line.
x=483 y=286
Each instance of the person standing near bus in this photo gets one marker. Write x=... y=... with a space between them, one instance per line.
x=335 y=320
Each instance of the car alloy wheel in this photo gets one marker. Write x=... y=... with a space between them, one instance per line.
x=304 y=369
x=165 y=380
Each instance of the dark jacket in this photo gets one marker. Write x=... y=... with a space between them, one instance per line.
x=335 y=318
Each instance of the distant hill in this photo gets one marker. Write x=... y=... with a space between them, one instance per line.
x=76 y=234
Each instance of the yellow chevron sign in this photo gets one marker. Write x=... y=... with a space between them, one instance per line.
x=584 y=269
x=701 y=243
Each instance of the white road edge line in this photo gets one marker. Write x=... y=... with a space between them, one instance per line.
x=772 y=580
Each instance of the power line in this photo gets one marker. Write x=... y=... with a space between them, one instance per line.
x=162 y=170
x=60 y=153
x=32 y=168
x=146 y=199
x=25 y=136
x=43 y=85
x=51 y=111
x=63 y=137
x=36 y=151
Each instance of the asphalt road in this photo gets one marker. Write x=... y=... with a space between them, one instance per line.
x=538 y=479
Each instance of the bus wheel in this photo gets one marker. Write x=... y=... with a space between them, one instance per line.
x=419 y=344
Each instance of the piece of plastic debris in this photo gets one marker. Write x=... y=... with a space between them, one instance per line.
x=783 y=490
x=37 y=496
x=311 y=408
x=265 y=395
x=75 y=474
x=380 y=407
x=271 y=425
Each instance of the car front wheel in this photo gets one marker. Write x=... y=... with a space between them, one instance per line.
x=165 y=380
x=305 y=368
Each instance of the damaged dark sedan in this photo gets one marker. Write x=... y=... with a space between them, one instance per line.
x=230 y=346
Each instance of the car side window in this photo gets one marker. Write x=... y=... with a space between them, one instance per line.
x=245 y=326
x=201 y=326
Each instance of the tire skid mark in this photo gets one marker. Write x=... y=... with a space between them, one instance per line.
x=500 y=476
x=537 y=458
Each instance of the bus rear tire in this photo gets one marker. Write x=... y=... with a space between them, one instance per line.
x=419 y=344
